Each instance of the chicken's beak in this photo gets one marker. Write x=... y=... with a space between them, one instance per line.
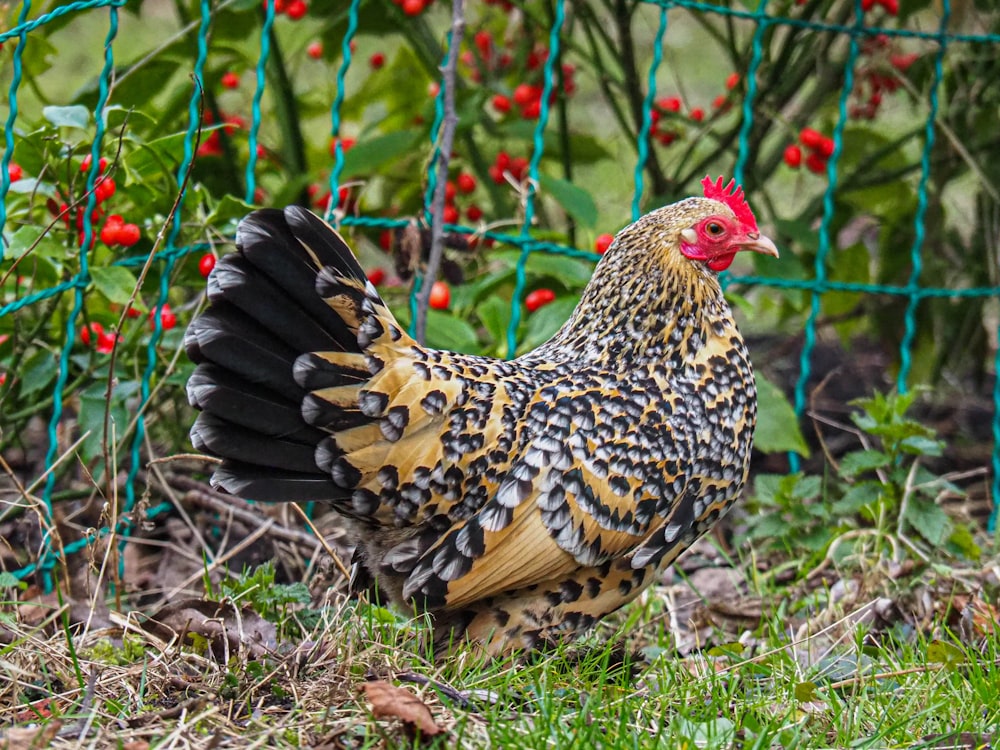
x=758 y=243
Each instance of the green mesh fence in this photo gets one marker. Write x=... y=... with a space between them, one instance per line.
x=763 y=18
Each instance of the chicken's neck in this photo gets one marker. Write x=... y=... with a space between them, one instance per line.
x=655 y=316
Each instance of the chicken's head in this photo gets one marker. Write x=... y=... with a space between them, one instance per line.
x=727 y=228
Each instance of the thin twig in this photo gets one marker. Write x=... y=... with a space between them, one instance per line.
x=447 y=139
x=322 y=541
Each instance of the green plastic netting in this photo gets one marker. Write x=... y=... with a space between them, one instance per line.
x=763 y=19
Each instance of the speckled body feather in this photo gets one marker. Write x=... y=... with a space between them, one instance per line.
x=518 y=501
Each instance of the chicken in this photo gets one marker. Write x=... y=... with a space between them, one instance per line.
x=516 y=501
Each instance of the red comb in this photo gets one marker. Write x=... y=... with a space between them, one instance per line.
x=732 y=196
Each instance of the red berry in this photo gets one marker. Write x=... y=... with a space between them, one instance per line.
x=474 y=212
x=14 y=171
x=811 y=138
x=128 y=235
x=106 y=342
x=732 y=80
x=440 y=296
x=230 y=80
x=825 y=148
x=377 y=60
x=526 y=93
x=167 y=318
x=206 y=264
x=104 y=189
x=110 y=230
x=376 y=276
x=315 y=50
x=484 y=42
x=385 y=240
x=90 y=332
x=450 y=215
x=503 y=160
x=296 y=9
x=816 y=163
x=669 y=104
x=449 y=192
x=518 y=166
x=793 y=156
x=719 y=101
x=902 y=62
x=413 y=7
x=102 y=163
x=602 y=243
x=539 y=298
x=466 y=182
x=532 y=110
x=345 y=145
x=665 y=137
x=697 y=114
x=501 y=103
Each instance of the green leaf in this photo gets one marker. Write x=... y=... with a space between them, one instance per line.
x=929 y=520
x=546 y=321
x=37 y=372
x=777 y=426
x=74 y=116
x=572 y=273
x=94 y=409
x=41 y=243
x=806 y=692
x=30 y=185
x=942 y=652
x=445 y=331
x=578 y=202
x=857 y=462
x=922 y=446
x=494 y=313
x=230 y=208
x=116 y=283
x=366 y=156
x=857 y=497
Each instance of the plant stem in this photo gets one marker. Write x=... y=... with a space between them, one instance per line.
x=286 y=111
x=447 y=141
x=633 y=88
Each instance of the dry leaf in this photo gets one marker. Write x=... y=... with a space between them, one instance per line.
x=226 y=629
x=29 y=738
x=391 y=702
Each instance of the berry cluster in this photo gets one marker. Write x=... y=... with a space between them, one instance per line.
x=879 y=75
x=669 y=108
x=465 y=184
x=93 y=334
x=115 y=230
x=212 y=144
x=516 y=167
x=294 y=9
x=819 y=147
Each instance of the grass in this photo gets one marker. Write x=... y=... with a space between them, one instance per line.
x=837 y=666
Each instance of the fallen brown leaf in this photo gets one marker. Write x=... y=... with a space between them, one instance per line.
x=29 y=738
x=224 y=627
x=391 y=702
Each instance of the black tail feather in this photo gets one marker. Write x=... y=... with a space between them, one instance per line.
x=266 y=321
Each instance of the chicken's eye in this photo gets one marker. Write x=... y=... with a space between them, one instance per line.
x=714 y=228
